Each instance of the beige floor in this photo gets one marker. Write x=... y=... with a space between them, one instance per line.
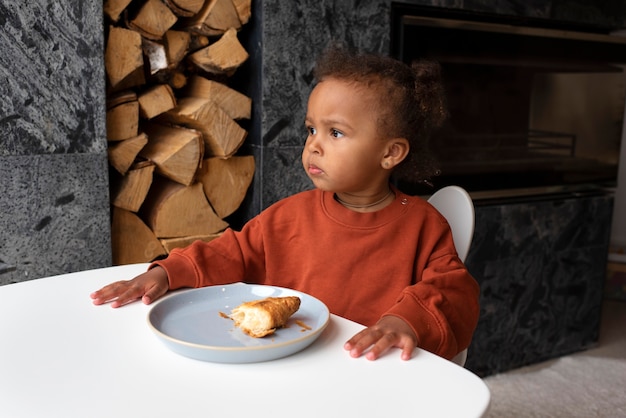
x=587 y=384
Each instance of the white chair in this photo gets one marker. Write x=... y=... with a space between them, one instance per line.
x=456 y=205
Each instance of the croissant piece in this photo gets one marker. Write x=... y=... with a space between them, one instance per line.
x=262 y=317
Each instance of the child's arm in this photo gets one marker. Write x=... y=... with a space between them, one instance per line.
x=390 y=331
x=148 y=287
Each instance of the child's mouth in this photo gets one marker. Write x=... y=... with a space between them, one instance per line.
x=314 y=170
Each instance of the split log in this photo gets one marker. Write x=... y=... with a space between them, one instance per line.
x=153 y=20
x=122 y=154
x=225 y=182
x=122 y=118
x=114 y=8
x=131 y=190
x=170 y=243
x=235 y=104
x=176 y=46
x=222 y=135
x=198 y=41
x=215 y=18
x=156 y=100
x=174 y=78
x=177 y=152
x=132 y=240
x=223 y=57
x=185 y=8
x=172 y=210
x=120 y=97
x=244 y=10
x=123 y=59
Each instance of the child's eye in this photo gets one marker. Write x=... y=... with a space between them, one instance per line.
x=311 y=130
x=336 y=133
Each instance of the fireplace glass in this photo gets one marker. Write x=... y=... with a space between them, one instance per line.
x=535 y=108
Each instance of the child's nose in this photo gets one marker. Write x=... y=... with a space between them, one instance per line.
x=313 y=144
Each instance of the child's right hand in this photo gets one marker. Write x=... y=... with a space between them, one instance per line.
x=148 y=287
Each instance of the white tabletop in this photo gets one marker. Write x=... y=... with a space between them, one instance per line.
x=61 y=356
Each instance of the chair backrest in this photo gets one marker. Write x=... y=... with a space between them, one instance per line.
x=456 y=205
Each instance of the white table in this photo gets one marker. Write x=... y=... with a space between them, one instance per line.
x=61 y=356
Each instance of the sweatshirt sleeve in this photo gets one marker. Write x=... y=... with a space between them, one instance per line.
x=233 y=257
x=443 y=306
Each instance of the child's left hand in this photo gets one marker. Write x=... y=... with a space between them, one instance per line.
x=389 y=332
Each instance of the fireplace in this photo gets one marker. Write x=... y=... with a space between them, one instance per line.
x=535 y=107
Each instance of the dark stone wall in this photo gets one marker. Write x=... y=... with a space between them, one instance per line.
x=541 y=267
x=54 y=197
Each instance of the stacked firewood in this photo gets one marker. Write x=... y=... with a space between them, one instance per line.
x=173 y=123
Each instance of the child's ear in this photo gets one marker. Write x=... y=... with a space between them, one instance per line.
x=397 y=150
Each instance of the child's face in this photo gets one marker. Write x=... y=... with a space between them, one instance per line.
x=344 y=151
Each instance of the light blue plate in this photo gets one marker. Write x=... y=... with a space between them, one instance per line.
x=192 y=323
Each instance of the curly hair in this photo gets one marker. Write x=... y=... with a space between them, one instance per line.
x=411 y=101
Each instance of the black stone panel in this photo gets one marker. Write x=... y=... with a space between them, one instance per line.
x=541 y=266
x=54 y=196
x=294 y=33
x=51 y=78
x=55 y=215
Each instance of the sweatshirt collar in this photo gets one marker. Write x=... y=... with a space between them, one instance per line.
x=342 y=215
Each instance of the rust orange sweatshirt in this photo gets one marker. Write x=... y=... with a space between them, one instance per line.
x=397 y=261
